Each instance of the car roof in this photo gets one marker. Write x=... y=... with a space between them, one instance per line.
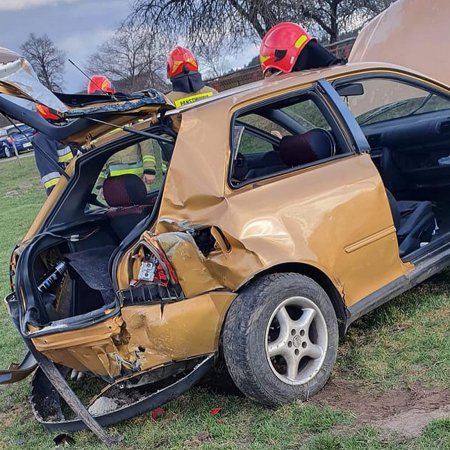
x=296 y=80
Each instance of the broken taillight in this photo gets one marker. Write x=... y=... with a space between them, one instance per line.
x=154 y=265
x=152 y=278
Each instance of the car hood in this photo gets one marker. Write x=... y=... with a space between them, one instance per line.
x=81 y=115
x=410 y=33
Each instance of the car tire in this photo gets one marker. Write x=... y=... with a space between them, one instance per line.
x=280 y=339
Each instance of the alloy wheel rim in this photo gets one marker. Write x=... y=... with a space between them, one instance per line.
x=296 y=340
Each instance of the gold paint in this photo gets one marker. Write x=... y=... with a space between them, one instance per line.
x=143 y=337
x=370 y=239
x=323 y=216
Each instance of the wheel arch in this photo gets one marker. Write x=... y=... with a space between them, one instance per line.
x=321 y=279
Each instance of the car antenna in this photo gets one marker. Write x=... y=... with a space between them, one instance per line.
x=92 y=81
x=132 y=130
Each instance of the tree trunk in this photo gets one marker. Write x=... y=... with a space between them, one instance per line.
x=334 y=32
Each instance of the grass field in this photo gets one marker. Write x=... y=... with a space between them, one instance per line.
x=389 y=390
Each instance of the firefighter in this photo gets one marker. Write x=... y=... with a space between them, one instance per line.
x=49 y=153
x=99 y=84
x=187 y=84
x=138 y=159
x=287 y=47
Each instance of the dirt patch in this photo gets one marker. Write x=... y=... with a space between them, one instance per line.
x=405 y=411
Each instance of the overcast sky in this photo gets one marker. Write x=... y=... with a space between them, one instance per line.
x=76 y=26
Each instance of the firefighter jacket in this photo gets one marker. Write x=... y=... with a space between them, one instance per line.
x=188 y=88
x=47 y=150
x=138 y=159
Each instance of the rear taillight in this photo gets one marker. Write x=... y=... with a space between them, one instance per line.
x=152 y=279
x=154 y=265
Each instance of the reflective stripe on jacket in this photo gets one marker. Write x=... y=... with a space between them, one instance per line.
x=123 y=169
x=47 y=150
x=179 y=99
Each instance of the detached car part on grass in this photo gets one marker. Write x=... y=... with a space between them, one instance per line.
x=268 y=229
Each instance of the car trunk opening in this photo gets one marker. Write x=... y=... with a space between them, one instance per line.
x=65 y=276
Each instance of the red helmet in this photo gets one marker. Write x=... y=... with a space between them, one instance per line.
x=46 y=113
x=178 y=59
x=281 y=46
x=100 y=84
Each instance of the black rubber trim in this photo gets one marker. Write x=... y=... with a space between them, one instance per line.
x=152 y=401
x=20 y=371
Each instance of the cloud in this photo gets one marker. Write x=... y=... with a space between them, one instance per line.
x=74 y=25
x=15 y=5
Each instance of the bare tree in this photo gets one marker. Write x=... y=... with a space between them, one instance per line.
x=203 y=21
x=133 y=57
x=46 y=59
x=214 y=61
x=330 y=18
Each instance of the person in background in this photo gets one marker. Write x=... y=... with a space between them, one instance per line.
x=49 y=153
x=99 y=84
x=187 y=84
x=287 y=47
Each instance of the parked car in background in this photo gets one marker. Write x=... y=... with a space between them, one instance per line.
x=5 y=148
x=19 y=135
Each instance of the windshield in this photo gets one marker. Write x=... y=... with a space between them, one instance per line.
x=385 y=99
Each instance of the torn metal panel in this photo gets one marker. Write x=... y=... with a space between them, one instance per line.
x=143 y=337
x=188 y=262
x=306 y=217
x=410 y=33
x=95 y=349
x=176 y=331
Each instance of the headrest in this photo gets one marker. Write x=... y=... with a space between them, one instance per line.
x=308 y=147
x=124 y=190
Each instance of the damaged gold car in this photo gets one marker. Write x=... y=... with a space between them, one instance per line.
x=280 y=212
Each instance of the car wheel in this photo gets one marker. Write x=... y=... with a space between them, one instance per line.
x=280 y=339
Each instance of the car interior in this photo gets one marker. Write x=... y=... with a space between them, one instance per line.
x=281 y=136
x=408 y=128
x=100 y=212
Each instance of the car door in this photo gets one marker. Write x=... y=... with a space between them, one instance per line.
x=330 y=213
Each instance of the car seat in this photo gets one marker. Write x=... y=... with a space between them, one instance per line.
x=300 y=149
x=127 y=198
x=414 y=221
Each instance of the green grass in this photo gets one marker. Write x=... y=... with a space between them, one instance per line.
x=415 y=326
x=405 y=342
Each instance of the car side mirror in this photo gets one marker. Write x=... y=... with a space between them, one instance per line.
x=350 y=89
